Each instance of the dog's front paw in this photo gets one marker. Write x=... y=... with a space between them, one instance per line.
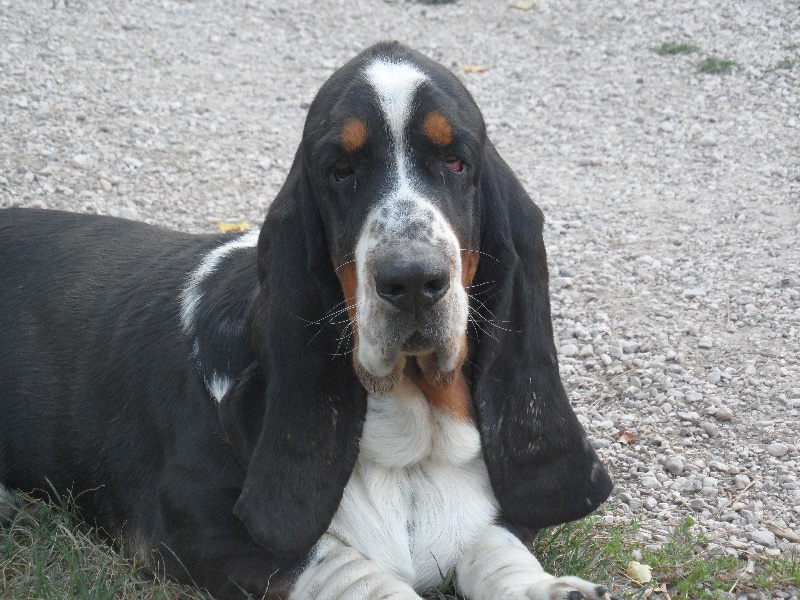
x=568 y=588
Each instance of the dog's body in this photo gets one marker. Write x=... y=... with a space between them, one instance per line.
x=304 y=412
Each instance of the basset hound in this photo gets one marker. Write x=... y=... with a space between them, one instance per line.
x=354 y=401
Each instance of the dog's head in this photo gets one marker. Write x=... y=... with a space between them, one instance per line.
x=399 y=225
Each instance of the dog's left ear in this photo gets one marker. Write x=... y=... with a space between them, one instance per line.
x=542 y=468
x=299 y=455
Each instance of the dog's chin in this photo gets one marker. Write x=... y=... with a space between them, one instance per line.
x=417 y=359
x=379 y=385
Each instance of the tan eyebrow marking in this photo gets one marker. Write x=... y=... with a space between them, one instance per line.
x=438 y=129
x=354 y=134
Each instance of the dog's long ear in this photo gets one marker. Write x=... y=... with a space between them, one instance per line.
x=542 y=468
x=300 y=460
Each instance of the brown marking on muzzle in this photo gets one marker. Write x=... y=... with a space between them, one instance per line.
x=469 y=264
x=348 y=278
x=438 y=129
x=447 y=392
x=354 y=134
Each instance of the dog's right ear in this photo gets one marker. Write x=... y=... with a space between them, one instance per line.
x=300 y=455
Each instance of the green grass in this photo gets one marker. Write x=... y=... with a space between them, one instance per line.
x=785 y=63
x=48 y=553
x=671 y=48
x=716 y=65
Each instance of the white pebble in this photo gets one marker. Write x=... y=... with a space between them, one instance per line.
x=763 y=537
x=723 y=414
x=569 y=350
x=777 y=449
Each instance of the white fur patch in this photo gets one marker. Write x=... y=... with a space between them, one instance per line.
x=191 y=296
x=396 y=84
x=418 y=497
x=218 y=386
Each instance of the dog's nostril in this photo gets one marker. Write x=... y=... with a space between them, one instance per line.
x=394 y=289
x=436 y=288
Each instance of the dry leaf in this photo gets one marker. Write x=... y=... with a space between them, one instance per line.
x=626 y=436
x=229 y=227
x=473 y=68
x=638 y=572
x=523 y=5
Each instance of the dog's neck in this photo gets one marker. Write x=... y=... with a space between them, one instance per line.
x=404 y=429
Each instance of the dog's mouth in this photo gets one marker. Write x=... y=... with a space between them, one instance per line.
x=416 y=344
x=436 y=363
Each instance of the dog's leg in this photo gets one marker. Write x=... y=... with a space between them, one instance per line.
x=497 y=566
x=338 y=572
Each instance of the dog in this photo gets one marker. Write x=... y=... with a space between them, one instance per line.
x=360 y=397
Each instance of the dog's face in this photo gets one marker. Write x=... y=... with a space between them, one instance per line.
x=392 y=197
x=396 y=161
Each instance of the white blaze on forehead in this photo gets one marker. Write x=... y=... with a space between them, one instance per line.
x=396 y=83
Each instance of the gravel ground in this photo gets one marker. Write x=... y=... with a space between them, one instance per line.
x=672 y=195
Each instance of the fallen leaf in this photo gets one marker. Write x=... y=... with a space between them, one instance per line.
x=626 y=436
x=523 y=5
x=229 y=227
x=638 y=572
x=474 y=68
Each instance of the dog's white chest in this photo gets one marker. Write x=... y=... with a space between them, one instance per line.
x=420 y=491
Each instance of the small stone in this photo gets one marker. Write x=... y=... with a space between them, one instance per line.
x=84 y=161
x=795 y=393
x=697 y=504
x=650 y=483
x=714 y=377
x=605 y=359
x=569 y=350
x=705 y=343
x=763 y=537
x=629 y=347
x=693 y=293
x=650 y=503
x=104 y=183
x=750 y=370
x=562 y=282
x=741 y=481
x=674 y=465
x=587 y=350
x=723 y=414
x=132 y=162
x=710 y=428
x=778 y=449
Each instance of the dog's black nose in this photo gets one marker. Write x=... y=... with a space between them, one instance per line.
x=413 y=285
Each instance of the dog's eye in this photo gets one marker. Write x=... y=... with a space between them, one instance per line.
x=342 y=170
x=454 y=164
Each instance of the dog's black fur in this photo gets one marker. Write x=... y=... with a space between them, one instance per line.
x=103 y=392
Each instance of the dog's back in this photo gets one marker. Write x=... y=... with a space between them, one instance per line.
x=96 y=371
